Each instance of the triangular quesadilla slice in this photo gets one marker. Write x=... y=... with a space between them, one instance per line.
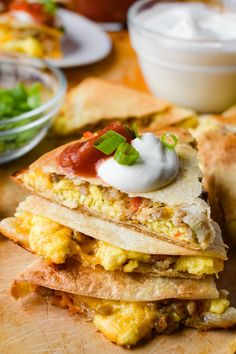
x=175 y=213
x=95 y=102
x=127 y=308
x=57 y=234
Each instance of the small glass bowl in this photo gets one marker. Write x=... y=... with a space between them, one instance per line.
x=20 y=134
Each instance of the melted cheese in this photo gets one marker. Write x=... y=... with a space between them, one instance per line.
x=124 y=323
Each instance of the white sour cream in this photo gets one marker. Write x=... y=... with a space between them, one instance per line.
x=191 y=21
x=22 y=16
x=156 y=167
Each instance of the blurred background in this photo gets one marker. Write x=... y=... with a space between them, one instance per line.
x=114 y=11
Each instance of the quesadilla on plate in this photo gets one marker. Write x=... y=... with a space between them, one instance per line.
x=96 y=102
x=58 y=234
x=174 y=212
x=32 y=29
x=114 y=299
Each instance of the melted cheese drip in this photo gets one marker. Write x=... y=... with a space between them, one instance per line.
x=124 y=323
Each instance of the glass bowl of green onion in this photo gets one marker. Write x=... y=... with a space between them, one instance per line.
x=31 y=93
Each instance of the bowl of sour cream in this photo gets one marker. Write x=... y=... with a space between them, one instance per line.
x=187 y=52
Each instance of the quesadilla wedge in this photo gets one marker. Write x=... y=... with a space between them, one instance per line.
x=113 y=300
x=96 y=102
x=175 y=213
x=219 y=176
x=54 y=232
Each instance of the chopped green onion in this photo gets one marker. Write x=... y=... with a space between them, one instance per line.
x=49 y=6
x=133 y=131
x=109 y=142
x=169 y=140
x=14 y=102
x=19 y=99
x=126 y=154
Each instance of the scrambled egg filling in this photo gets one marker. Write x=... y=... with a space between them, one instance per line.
x=111 y=258
x=199 y=265
x=218 y=306
x=29 y=45
x=97 y=199
x=56 y=243
x=126 y=323
x=48 y=238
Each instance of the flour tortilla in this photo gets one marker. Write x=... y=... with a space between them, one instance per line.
x=99 y=283
x=112 y=233
x=95 y=100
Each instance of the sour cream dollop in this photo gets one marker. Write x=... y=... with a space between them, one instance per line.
x=156 y=167
x=191 y=21
x=22 y=16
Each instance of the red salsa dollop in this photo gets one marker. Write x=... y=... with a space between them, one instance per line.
x=82 y=157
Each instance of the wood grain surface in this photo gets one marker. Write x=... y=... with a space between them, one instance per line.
x=30 y=325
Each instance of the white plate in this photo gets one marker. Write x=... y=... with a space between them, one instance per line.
x=84 y=42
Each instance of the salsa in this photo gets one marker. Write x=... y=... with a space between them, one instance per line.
x=82 y=157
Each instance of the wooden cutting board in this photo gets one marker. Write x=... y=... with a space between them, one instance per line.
x=30 y=325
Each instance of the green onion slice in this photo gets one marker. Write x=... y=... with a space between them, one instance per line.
x=109 y=142
x=169 y=140
x=135 y=130
x=126 y=154
x=49 y=6
x=132 y=131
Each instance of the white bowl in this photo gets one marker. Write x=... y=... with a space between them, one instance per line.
x=197 y=74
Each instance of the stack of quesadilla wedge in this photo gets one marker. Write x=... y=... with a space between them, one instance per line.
x=130 y=262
